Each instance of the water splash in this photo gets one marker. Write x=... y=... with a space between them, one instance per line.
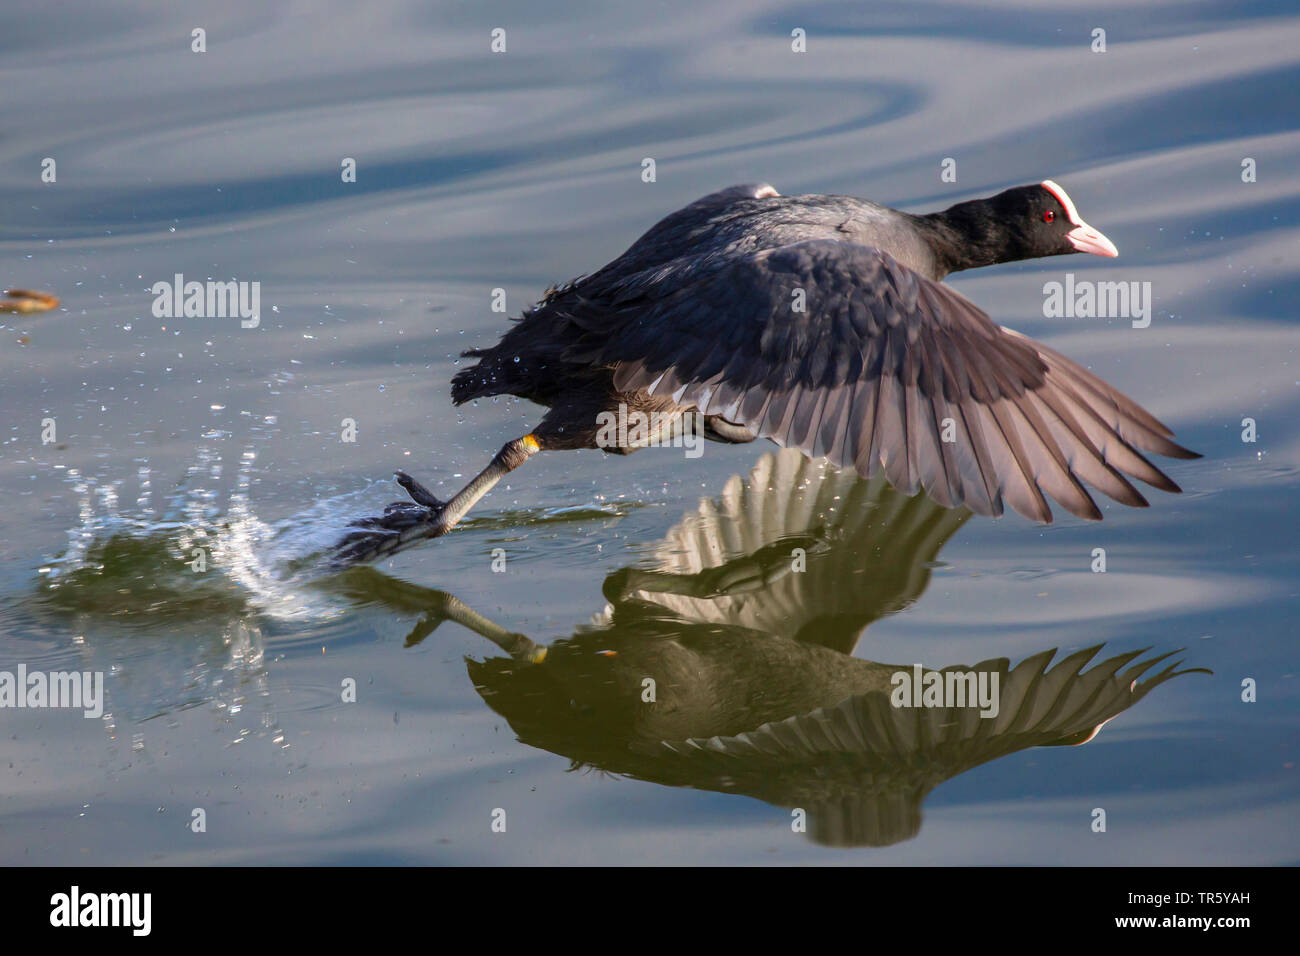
x=208 y=554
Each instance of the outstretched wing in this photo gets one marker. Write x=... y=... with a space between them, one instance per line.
x=840 y=351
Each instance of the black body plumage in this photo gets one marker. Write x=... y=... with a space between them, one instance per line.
x=820 y=322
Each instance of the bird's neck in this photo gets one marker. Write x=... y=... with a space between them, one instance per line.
x=964 y=236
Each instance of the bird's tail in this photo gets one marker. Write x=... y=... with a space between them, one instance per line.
x=476 y=381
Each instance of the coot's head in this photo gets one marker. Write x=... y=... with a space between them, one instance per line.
x=1027 y=222
x=1044 y=222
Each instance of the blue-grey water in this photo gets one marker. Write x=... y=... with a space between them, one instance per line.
x=498 y=671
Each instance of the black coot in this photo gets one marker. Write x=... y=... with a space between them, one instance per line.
x=820 y=322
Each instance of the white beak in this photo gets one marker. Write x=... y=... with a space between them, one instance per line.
x=1087 y=239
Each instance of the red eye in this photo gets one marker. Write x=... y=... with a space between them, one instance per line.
x=1049 y=216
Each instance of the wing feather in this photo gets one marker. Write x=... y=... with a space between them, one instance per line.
x=876 y=368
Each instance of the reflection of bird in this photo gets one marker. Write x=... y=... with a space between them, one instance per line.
x=864 y=553
x=861 y=768
x=744 y=625
x=820 y=322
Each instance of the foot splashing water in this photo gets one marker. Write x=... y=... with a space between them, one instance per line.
x=200 y=557
x=178 y=602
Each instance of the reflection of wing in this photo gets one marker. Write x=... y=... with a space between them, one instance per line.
x=863 y=766
x=867 y=552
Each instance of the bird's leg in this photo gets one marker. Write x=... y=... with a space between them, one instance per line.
x=448 y=513
x=519 y=646
x=369 y=585
x=717 y=428
x=402 y=523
